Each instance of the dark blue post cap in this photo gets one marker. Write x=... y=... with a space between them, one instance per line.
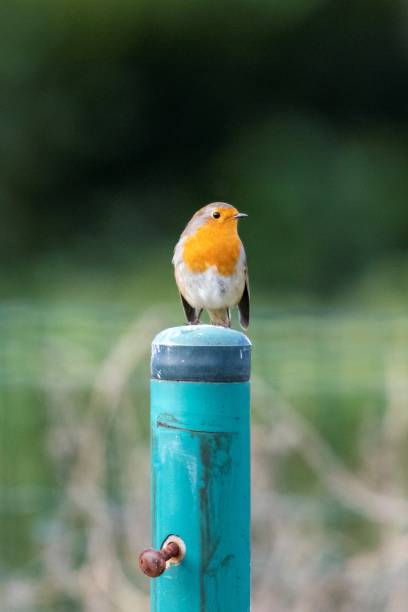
x=201 y=353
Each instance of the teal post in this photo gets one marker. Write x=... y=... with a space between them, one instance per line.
x=200 y=449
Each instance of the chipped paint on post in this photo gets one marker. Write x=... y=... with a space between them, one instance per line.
x=201 y=480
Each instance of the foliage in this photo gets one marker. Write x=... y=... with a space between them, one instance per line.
x=329 y=443
x=120 y=119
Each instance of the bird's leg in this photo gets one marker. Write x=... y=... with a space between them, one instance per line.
x=220 y=317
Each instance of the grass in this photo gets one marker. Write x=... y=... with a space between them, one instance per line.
x=329 y=438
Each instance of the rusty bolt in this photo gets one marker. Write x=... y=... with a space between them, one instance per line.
x=153 y=562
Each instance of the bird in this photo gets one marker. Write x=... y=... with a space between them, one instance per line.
x=210 y=266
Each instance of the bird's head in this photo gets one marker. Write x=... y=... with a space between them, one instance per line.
x=217 y=214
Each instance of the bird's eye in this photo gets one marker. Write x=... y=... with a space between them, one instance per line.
x=216 y=214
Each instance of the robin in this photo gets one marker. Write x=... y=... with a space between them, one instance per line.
x=210 y=266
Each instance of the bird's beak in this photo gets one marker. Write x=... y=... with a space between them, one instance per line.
x=240 y=216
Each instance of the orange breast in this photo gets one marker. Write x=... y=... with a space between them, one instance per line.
x=213 y=245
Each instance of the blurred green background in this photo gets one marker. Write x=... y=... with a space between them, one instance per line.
x=117 y=121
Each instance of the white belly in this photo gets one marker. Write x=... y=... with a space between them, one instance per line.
x=210 y=289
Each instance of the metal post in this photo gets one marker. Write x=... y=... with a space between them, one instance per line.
x=201 y=469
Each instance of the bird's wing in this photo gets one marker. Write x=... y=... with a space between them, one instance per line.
x=243 y=306
x=191 y=313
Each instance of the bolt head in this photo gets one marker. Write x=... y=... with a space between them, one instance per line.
x=152 y=563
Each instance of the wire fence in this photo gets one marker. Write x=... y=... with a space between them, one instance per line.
x=330 y=431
